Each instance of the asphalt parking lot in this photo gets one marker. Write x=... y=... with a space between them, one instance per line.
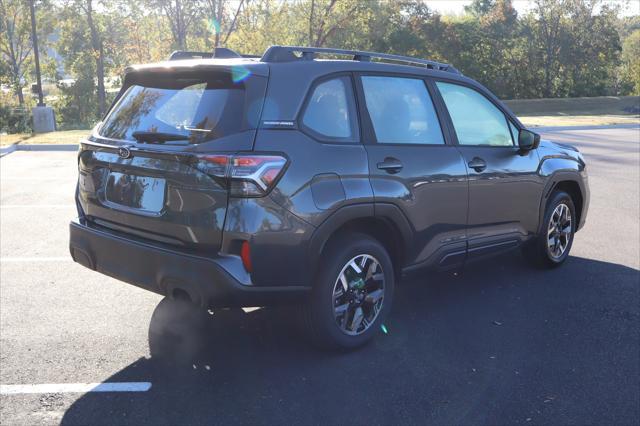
x=498 y=343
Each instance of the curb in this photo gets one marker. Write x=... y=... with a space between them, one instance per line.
x=37 y=147
x=594 y=127
x=8 y=150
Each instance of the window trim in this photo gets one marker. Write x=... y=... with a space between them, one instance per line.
x=484 y=92
x=370 y=137
x=319 y=137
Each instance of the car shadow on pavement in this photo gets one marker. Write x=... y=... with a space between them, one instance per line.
x=498 y=343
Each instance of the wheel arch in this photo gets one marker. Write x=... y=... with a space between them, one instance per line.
x=385 y=223
x=571 y=183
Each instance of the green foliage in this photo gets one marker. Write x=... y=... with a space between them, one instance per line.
x=14 y=119
x=75 y=107
x=631 y=62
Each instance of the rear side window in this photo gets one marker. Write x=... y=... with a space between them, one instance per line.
x=401 y=111
x=330 y=113
x=187 y=109
x=475 y=119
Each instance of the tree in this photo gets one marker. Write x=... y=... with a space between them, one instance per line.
x=222 y=21
x=15 y=43
x=326 y=17
x=480 y=7
x=550 y=14
x=181 y=15
x=631 y=60
x=98 y=50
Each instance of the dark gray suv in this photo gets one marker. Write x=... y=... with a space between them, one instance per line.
x=234 y=181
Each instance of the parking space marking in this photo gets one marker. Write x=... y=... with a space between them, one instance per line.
x=75 y=388
x=36 y=259
x=36 y=206
x=69 y=178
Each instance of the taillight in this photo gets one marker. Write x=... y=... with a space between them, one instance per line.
x=248 y=175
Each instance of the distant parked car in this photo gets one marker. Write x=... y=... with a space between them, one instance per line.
x=67 y=82
x=231 y=181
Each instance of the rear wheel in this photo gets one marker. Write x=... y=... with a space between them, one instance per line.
x=551 y=247
x=352 y=294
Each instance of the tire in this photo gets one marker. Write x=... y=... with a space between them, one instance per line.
x=542 y=252
x=346 y=307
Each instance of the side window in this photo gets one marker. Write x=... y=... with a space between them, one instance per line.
x=514 y=132
x=476 y=120
x=331 y=111
x=401 y=110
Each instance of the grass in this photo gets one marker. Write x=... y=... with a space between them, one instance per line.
x=56 y=138
x=578 y=120
x=602 y=110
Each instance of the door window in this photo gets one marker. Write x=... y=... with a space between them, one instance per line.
x=401 y=110
x=475 y=119
x=330 y=113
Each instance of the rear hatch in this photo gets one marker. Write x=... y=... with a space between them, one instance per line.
x=155 y=167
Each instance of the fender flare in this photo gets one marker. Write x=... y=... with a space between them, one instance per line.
x=553 y=180
x=385 y=211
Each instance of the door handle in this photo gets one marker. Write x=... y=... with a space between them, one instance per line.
x=390 y=165
x=477 y=164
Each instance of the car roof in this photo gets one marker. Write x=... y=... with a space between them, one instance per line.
x=291 y=76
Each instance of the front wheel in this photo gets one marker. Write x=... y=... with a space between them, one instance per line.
x=352 y=294
x=551 y=247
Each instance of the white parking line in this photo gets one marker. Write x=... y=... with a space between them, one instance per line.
x=36 y=259
x=36 y=206
x=38 y=179
x=75 y=388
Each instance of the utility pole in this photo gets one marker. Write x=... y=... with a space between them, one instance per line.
x=34 y=39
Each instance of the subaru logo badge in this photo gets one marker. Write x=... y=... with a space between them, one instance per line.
x=124 y=152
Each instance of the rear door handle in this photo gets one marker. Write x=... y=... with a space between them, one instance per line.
x=390 y=165
x=477 y=164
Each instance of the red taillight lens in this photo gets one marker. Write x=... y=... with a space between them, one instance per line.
x=214 y=165
x=249 y=175
x=245 y=255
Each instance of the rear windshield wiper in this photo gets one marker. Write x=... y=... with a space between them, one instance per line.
x=158 y=137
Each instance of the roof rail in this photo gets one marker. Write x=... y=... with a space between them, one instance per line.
x=218 y=52
x=287 y=54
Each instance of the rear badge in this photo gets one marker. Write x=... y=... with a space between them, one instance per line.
x=278 y=124
x=124 y=152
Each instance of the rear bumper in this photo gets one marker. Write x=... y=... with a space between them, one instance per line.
x=209 y=282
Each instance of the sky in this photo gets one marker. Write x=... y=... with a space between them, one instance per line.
x=629 y=7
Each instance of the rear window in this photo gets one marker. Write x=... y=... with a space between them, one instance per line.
x=175 y=109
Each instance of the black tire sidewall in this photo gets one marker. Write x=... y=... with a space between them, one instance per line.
x=335 y=257
x=556 y=199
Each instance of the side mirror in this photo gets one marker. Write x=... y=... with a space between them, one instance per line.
x=528 y=140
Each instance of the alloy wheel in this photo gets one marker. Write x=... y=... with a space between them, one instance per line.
x=358 y=294
x=559 y=231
